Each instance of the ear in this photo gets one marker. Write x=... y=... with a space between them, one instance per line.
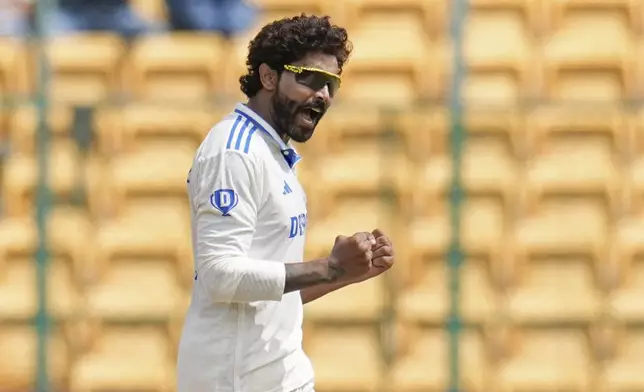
x=269 y=77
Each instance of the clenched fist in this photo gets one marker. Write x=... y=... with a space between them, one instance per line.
x=382 y=256
x=351 y=256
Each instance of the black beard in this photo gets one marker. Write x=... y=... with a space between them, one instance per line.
x=283 y=112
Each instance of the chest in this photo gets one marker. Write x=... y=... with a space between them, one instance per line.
x=284 y=211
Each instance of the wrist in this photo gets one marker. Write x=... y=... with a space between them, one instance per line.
x=333 y=271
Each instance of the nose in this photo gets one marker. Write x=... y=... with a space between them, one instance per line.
x=324 y=94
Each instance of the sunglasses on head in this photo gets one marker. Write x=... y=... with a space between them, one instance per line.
x=315 y=78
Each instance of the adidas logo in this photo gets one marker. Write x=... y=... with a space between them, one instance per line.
x=287 y=189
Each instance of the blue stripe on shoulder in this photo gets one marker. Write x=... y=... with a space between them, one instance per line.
x=232 y=131
x=250 y=135
x=240 y=136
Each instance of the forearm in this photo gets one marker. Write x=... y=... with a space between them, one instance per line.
x=312 y=293
x=301 y=276
x=241 y=279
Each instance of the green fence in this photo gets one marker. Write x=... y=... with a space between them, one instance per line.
x=43 y=199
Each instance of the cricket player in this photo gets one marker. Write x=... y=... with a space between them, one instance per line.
x=243 y=329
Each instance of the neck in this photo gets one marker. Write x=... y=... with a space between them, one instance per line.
x=262 y=110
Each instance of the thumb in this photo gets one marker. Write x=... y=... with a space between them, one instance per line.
x=378 y=233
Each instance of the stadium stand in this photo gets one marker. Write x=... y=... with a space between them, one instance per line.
x=552 y=227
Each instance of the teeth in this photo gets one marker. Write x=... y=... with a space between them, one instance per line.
x=316 y=110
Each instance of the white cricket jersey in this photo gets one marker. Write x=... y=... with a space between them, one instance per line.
x=248 y=211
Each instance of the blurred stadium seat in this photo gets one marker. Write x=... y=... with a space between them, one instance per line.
x=86 y=68
x=21 y=176
x=17 y=370
x=125 y=358
x=537 y=298
x=18 y=288
x=545 y=359
x=24 y=123
x=422 y=364
x=175 y=67
x=345 y=358
x=558 y=11
x=14 y=71
x=500 y=57
x=425 y=297
x=622 y=372
x=598 y=47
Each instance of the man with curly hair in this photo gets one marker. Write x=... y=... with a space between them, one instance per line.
x=243 y=330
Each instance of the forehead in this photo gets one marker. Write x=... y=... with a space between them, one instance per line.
x=323 y=61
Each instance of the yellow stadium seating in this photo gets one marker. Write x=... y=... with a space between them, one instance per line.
x=574 y=167
x=130 y=290
x=18 y=286
x=431 y=234
x=125 y=358
x=14 y=74
x=423 y=363
x=562 y=227
x=175 y=67
x=596 y=46
x=18 y=368
x=144 y=227
x=545 y=360
x=149 y=169
x=424 y=132
x=635 y=181
x=623 y=371
x=558 y=11
x=344 y=358
x=488 y=169
x=277 y=9
x=119 y=128
x=425 y=297
x=500 y=58
x=24 y=123
x=21 y=176
x=547 y=122
x=553 y=291
x=350 y=215
x=431 y=14
x=552 y=225
x=367 y=176
x=625 y=300
x=356 y=303
x=86 y=67
x=389 y=64
x=150 y=10
x=69 y=233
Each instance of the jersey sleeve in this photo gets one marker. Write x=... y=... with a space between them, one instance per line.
x=226 y=196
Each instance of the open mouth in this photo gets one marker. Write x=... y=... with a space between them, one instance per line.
x=311 y=115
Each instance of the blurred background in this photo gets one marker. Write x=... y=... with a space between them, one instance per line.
x=499 y=142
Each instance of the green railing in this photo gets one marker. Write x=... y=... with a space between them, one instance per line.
x=43 y=199
x=457 y=194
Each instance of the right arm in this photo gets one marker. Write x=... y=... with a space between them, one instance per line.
x=224 y=272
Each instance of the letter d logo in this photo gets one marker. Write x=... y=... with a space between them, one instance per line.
x=224 y=200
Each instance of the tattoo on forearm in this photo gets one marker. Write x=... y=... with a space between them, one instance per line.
x=302 y=275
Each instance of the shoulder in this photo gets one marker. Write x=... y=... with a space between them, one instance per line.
x=234 y=145
x=233 y=135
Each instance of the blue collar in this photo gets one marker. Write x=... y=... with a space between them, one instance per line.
x=290 y=155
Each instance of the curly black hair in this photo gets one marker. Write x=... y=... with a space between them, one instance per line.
x=287 y=40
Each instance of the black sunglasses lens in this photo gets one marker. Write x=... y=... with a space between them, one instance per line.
x=317 y=81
